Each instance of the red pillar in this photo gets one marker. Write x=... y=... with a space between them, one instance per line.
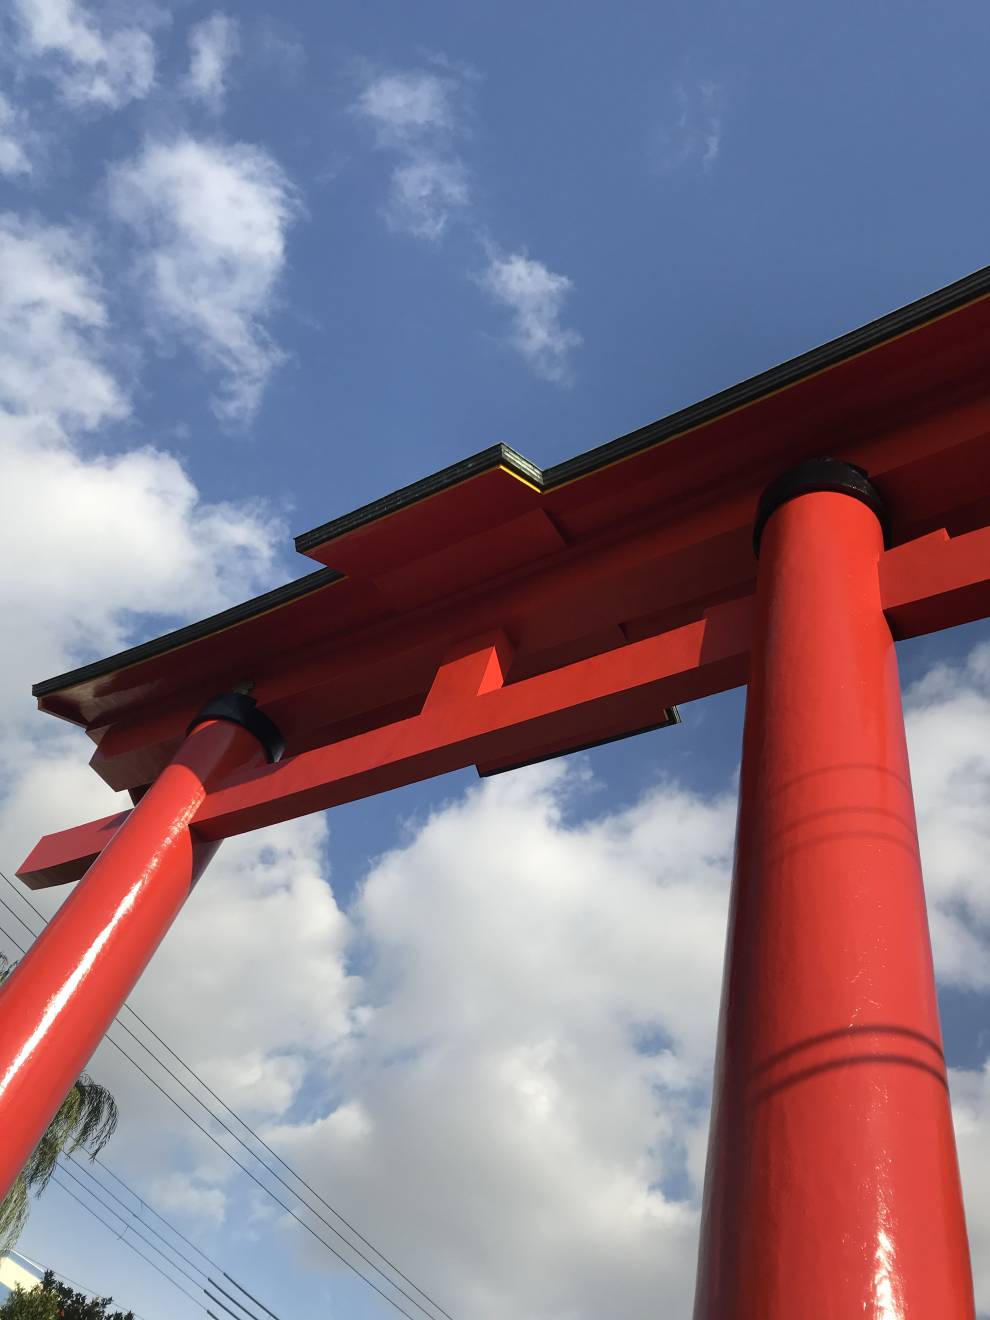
x=832 y=1189
x=56 y=1006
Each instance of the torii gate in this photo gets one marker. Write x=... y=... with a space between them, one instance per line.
x=494 y=614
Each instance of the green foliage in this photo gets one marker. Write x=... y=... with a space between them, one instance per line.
x=38 y=1304
x=85 y=1121
x=57 y=1301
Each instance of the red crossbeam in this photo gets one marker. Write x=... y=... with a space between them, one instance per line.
x=470 y=718
x=467 y=717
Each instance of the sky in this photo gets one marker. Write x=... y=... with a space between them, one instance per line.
x=260 y=266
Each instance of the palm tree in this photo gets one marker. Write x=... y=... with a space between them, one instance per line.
x=85 y=1121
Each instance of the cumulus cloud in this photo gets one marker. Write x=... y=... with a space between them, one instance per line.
x=15 y=156
x=211 y=219
x=213 y=43
x=52 y=328
x=948 y=720
x=94 y=540
x=417 y=115
x=530 y=1064
x=534 y=296
x=90 y=63
x=112 y=536
x=525 y=1056
x=971 y=1114
x=98 y=538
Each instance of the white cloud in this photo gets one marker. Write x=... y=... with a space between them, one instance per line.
x=526 y=1056
x=405 y=106
x=15 y=152
x=89 y=65
x=534 y=295
x=536 y=1035
x=695 y=132
x=93 y=541
x=417 y=115
x=213 y=43
x=254 y=1032
x=971 y=1115
x=948 y=720
x=97 y=538
x=52 y=328
x=212 y=220
x=101 y=538
x=426 y=191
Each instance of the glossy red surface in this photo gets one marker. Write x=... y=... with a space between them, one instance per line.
x=832 y=1189
x=62 y=997
x=618 y=552
x=933 y=582
x=468 y=717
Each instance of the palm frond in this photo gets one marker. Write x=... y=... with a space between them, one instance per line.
x=14 y=1210
x=85 y=1120
x=97 y=1121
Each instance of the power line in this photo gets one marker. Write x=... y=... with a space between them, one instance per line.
x=260 y=1140
x=128 y=1225
x=178 y=1233
x=62 y=1277
x=255 y=1179
x=151 y=1228
x=274 y=1173
x=89 y=1210
x=128 y=1221
x=246 y=1293
x=170 y=1226
x=213 y=1284
x=275 y=1155
x=171 y=1245
x=268 y=1169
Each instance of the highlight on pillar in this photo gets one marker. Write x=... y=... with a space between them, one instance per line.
x=781 y=535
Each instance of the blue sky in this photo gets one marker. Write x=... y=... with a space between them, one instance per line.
x=260 y=266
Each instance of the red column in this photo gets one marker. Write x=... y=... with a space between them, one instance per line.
x=832 y=1189
x=56 y=1006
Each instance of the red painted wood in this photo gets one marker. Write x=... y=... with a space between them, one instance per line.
x=470 y=719
x=657 y=536
x=61 y=998
x=930 y=583
x=927 y=583
x=832 y=1187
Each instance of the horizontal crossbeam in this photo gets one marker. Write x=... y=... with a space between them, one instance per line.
x=471 y=717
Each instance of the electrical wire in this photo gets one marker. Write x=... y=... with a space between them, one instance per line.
x=261 y=1142
x=161 y=1236
x=89 y=1210
x=64 y=1278
x=349 y=1264
x=151 y=1228
x=128 y=1224
x=129 y=1227
x=97 y=1159
x=274 y=1154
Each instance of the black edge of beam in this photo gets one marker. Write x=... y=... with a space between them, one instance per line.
x=850 y=345
x=494 y=457
x=192 y=632
x=871 y=335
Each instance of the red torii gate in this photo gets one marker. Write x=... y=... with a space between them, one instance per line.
x=494 y=614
